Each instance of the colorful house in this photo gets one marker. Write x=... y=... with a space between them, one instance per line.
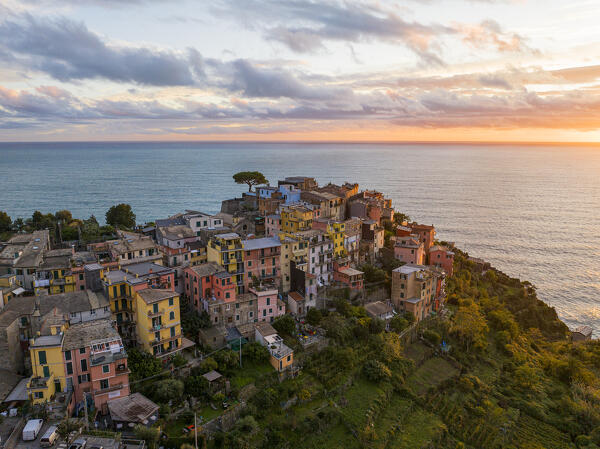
x=347 y=275
x=296 y=218
x=158 y=323
x=227 y=251
x=48 y=368
x=282 y=356
x=293 y=252
x=262 y=260
x=414 y=289
x=206 y=282
x=442 y=257
x=270 y=306
x=95 y=363
x=409 y=250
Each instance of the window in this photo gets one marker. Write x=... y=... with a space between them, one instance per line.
x=237 y=317
x=46 y=371
x=67 y=355
x=42 y=357
x=104 y=384
x=171 y=301
x=250 y=314
x=84 y=365
x=227 y=295
x=268 y=301
x=106 y=368
x=81 y=277
x=83 y=378
x=38 y=394
x=172 y=332
x=155 y=308
x=69 y=368
x=171 y=316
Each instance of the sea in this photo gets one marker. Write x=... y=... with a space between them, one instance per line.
x=531 y=211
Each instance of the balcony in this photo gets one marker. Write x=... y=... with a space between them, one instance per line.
x=121 y=369
x=155 y=328
x=165 y=340
x=109 y=389
x=152 y=314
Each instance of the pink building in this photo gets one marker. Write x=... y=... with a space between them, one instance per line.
x=410 y=250
x=95 y=363
x=442 y=257
x=426 y=234
x=347 y=275
x=262 y=260
x=272 y=225
x=269 y=305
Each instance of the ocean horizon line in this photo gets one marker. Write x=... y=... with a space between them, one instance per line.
x=313 y=142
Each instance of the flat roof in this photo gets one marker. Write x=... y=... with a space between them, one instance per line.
x=261 y=243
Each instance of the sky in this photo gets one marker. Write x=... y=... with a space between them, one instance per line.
x=414 y=70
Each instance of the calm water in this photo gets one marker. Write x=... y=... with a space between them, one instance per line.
x=533 y=212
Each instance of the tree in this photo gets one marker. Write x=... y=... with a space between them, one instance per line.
x=142 y=364
x=90 y=229
x=314 y=316
x=470 y=326
x=168 y=389
x=376 y=371
x=285 y=325
x=255 y=351
x=5 y=222
x=398 y=323
x=121 y=215
x=196 y=385
x=252 y=178
x=64 y=216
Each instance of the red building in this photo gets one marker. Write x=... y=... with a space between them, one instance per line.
x=426 y=234
x=442 y=257
x=95 y=363
x=207 y=281
x=346 y=275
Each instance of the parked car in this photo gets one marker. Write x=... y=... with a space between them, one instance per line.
x=32 y=429
x=49 y=437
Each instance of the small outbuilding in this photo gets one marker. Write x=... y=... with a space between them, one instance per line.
x=132 y=410
x=215 y=381
x=582 y=333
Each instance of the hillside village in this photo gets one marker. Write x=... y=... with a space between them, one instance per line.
x=162 y=333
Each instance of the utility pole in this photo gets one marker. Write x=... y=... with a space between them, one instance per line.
x=87 y=423
x=195 y=432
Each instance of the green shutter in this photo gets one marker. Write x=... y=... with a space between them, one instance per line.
x=42 y=357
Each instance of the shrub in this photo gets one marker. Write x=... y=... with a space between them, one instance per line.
x=432 y=337
x=376 y=371
x=314 y=316
x=285 y=325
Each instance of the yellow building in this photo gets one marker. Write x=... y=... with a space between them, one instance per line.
x=336 y=231
x=158 y=321
x=292 y=250
x=47 y=365
x=9 y=288
x=296 y=218
x=227 y=251
x=54 y=275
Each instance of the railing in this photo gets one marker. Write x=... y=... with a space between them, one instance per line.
x=165 y=340
x=155 y=328
x=152 y=314
x=109 y=389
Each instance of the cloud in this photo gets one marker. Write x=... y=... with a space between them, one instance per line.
x=68 y=50
x=337 y=21
x=489 y=33
x=254 y=81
